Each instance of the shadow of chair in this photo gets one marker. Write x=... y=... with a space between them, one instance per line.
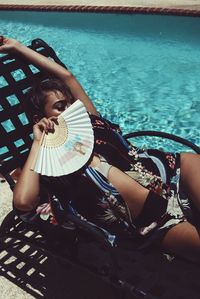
x=87 y=268
x=45 y=272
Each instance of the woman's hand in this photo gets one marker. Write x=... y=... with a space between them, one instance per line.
x=44 y=125
x=8 y=45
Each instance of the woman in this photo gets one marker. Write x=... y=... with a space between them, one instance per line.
x=128 y=191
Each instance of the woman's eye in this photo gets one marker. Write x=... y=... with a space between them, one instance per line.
x=61 y=106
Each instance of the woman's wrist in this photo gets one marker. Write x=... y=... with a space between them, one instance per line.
x=35 y=144
x=9 y=45
x=18 y=47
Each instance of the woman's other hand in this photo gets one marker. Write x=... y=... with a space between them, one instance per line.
x=8 y=45
x=44 y=125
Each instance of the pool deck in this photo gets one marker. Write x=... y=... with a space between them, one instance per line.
x=115 y=5
x=179 y=4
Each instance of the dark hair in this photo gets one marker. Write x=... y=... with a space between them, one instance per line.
x=37 y=95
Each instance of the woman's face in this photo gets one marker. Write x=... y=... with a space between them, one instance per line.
x=56 y=103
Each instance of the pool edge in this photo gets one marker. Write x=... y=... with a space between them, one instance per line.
x=103 y=9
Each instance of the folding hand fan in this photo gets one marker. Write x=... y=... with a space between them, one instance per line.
x=70 y=146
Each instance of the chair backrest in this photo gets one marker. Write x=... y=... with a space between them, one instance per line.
x=16 y=77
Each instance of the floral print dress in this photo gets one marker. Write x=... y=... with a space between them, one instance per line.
x=89 y=195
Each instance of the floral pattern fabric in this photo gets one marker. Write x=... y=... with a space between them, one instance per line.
x=94 y=199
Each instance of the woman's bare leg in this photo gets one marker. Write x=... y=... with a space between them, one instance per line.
x=183 y=240
x=190 y=176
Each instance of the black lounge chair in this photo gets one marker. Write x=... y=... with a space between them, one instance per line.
x=82 y=265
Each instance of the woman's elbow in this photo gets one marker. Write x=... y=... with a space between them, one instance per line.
x=24 y=203
x=67 y=76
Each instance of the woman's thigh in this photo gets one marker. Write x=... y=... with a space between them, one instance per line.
x=183 y=240
x=190 y=176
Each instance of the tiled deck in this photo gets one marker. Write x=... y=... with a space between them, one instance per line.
x=189 y=4
x=155 y=6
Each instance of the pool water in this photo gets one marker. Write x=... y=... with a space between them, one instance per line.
x=141 y=71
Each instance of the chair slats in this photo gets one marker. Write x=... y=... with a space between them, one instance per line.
x=16 y=77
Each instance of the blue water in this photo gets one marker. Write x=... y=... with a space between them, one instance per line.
x=141 y=71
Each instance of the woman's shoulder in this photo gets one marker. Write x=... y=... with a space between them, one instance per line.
x=98 y=121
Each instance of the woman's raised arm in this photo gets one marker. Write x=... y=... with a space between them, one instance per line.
x=9 y=45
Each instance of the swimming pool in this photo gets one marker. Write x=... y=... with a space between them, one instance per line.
x=141 y=71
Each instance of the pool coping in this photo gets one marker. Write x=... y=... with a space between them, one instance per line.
x=103 y=9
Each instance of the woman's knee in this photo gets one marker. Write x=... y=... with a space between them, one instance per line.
x=183 y=240
x=22 y=204
x=186 y=159
x=189 y=167
x=190 y=176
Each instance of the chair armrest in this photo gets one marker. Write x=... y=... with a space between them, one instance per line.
x=164 y=135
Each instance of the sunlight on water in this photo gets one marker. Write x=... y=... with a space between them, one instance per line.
x=141 y=71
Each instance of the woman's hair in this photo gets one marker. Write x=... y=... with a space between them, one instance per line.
x=37 y=95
